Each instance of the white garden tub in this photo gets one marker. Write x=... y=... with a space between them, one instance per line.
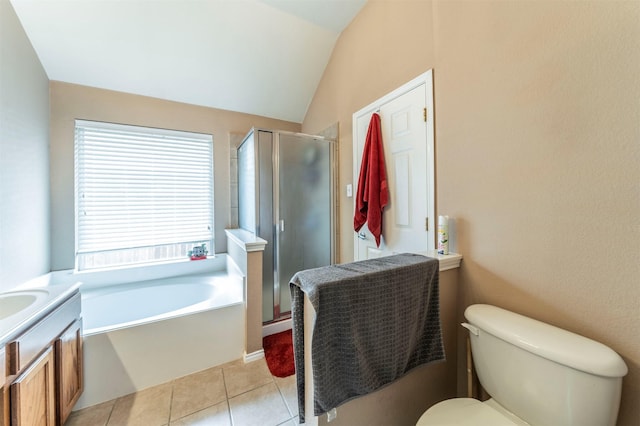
x=146 y=332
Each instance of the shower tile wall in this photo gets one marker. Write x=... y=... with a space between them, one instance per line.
x=235 y=139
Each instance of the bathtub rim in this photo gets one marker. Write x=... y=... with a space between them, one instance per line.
x=220 y=262
x=214 y=279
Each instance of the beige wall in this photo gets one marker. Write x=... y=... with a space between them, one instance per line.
x=70 y=102
x=24 y=156
x=537 y=150
x=368 y=62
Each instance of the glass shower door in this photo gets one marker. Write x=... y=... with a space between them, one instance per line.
x=304 y=217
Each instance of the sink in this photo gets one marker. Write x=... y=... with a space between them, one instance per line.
x=16 y=302
x=30 y=302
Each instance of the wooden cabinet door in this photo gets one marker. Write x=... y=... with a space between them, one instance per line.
x=33 y=394
x=4 y=406
x=4 y=390
x=69 y=369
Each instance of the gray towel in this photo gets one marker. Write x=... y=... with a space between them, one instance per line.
x=375 y=321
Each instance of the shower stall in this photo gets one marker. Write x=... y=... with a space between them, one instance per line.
x=286 y=196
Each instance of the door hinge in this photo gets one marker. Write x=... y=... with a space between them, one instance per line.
x=424 y=114
x=426 y=223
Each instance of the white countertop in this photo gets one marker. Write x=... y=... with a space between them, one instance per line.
x=447 y=261
x=248 y=240
x=47 y=297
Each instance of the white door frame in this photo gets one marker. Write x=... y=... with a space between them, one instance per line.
x=426 y=79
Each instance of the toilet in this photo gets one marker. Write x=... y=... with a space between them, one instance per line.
x=535 y=373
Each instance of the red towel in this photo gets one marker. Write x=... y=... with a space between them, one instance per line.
x=373 y=193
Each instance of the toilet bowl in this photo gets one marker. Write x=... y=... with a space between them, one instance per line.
x=535 y=373
x=469 y=412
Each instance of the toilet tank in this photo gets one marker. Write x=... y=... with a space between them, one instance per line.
x=543 y=374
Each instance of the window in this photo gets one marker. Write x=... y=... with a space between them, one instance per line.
x=142 y=195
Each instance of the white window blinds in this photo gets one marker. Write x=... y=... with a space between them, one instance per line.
x=142 y=194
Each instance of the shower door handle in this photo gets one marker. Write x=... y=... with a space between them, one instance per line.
x=281 y=225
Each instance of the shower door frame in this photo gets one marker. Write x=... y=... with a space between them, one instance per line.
x=277 y=314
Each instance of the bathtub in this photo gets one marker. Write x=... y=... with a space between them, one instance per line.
x=150 y=331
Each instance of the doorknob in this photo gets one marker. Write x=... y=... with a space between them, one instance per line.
x=362 y=236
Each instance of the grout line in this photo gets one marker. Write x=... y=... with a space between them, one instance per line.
x=170 y=403
x=283 y=399
x=226 y=394
x=113 y=406
x=251 y=390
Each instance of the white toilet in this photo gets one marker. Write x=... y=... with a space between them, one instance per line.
x=535 y=373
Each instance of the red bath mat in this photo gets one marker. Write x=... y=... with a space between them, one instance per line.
x=278 y=350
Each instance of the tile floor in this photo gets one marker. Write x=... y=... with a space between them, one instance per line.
x=233 y=394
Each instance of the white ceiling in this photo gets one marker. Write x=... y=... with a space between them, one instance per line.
x=263 y=57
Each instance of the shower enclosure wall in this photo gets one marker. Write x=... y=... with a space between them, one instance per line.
x=286 y=197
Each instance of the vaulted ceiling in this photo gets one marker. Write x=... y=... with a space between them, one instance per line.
x=263 y=57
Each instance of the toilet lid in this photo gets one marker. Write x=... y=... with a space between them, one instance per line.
x=463 y=412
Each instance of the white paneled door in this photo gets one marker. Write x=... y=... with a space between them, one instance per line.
x=407 y=132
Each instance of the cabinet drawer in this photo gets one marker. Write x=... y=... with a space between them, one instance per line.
x=26 y=348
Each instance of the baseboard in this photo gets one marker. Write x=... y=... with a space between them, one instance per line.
x=276 y=327
x=253 y=356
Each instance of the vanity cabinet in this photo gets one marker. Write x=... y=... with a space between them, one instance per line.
x=32 y=394
x=68 y=351
x=44 y=368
